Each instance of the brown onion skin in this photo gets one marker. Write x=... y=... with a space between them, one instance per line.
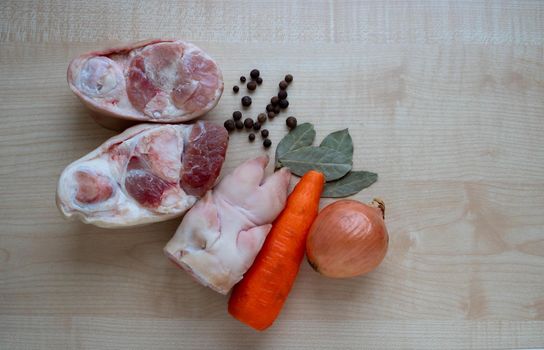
x=347 y=239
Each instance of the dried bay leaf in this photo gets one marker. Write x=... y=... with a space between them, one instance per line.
x=301 y=136
x=333 y=164
x=339 y=140
x=350 y=184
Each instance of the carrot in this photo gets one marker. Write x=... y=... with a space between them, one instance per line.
x=258 y=298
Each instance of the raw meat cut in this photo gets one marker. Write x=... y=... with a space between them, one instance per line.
x=149 y=173
x=220 y=236
x=161 y=81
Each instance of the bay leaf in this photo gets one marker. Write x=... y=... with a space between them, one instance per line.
x=350 y=184
x=333 y=164
x=301 y=136
x=339 y=140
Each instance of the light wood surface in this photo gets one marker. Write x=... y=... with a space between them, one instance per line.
x=445 y=100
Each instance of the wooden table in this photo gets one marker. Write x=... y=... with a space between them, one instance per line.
x=445 y=100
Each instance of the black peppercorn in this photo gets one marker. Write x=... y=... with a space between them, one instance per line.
x=269 y=107
x=283 y=85
x=259 y=80
x=264 y=133
x=282 y=94
x=239 y=125
x=267 y=143
x=277 y=110
x=288 y=78
x=256 y=126
x=246 y=101
x=251 y=85
x=261 y=118
x=235 y=88
x=284 y=104
x=229 y=125
x=236 y=115
x=271 y=115
x=274 y=100
x=248 y=123
x=254 y=74
x=243 y=79
x=251 y=137
x=291 y=122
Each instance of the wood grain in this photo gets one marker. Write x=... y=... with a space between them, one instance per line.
x=444 y=101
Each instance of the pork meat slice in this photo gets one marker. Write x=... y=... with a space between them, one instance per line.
x=220 y=236
x=149 y=173
x=162 y=81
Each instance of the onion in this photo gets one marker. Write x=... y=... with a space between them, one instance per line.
x=347 y=239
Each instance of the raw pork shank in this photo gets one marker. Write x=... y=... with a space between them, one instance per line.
x=220 y=236
x=161 y=81
x=149 y=173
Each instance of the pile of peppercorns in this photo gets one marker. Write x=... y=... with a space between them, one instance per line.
x=276 y=105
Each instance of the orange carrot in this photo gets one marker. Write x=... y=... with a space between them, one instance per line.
x=258 y=298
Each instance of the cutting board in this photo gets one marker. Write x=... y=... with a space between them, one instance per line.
x=444 y=100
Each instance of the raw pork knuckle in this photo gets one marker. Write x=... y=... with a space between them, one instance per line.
x=159 y=81
x=149 y=173
x=220 y=236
